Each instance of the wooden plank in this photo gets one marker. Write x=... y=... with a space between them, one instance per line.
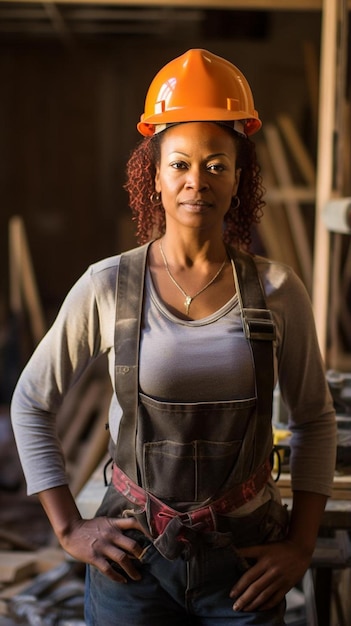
x=88 y=404
x=298 y=150
x=15 y=540
x=15 y=239
x=274 y=229
x=8 y=591
x=294 y=193
x=23 y=286
x=48 y=558
x=15 y=566
x=91 y=494
x=295 y=219
x=87 y=464
x=94 y=450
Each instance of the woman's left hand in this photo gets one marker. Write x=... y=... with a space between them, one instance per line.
x=278 y=567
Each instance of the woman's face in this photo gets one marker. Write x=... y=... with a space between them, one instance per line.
x=197 y=175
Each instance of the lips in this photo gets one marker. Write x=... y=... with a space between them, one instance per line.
x=196 y=204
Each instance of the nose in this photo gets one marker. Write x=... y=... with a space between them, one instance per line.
x=196 y=179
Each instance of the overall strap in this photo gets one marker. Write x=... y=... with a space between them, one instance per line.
x=129 y=303
x=258 y=325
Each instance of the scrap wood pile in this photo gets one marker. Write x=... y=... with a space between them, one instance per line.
x=39 y=586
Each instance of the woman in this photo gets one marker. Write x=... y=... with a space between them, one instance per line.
x=191 y=530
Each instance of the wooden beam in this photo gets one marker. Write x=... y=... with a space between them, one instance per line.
x=57 y=21
x=298 y=150
x=23 y=285
x=327 y=90
x=274 y=228
x=293 y=212
x=264 y=5
x=296 y=193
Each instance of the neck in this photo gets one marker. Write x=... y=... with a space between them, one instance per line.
x=186 y=252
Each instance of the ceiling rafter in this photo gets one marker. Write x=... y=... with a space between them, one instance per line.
x=57 y=20
x=298 y=5
x=67 y=19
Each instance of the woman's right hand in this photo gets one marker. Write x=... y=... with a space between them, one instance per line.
x=101 y=542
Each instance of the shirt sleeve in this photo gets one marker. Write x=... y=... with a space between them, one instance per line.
x=302 y=382
x=80 y=333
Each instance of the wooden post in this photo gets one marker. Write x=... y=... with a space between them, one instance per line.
x=325 y=159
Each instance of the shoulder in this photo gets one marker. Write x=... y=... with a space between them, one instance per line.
x=110 y=265
x=103 y=274
x=277 y=277
x=104 y=271
x=98 y=279
x=287 y=297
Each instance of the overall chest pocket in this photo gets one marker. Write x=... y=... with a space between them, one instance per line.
x=188 y=472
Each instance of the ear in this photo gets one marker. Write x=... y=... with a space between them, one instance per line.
x=236 y=180
x=157 y=180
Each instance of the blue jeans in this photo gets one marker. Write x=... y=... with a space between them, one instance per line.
x=177 y=592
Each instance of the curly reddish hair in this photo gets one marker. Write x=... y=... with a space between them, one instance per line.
x=150 y=217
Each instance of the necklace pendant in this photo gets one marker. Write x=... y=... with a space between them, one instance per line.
x=187 y=303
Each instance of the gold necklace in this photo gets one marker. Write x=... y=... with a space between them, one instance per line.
x=188 y=299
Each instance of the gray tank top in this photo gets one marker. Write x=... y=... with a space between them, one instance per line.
x=205 y=360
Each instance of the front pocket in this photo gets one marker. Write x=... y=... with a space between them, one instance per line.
x=188 y=472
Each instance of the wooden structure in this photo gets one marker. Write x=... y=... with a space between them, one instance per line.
x=334 y=17
x=272 y=5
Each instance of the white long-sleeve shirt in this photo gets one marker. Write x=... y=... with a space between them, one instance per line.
x=202 y=360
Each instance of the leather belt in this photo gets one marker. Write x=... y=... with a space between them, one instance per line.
x=202 y=518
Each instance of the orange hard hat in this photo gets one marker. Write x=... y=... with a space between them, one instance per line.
x=198 y=86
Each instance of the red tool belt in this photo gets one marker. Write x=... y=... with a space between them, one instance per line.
x=161 y=514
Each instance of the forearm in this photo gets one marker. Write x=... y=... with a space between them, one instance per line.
x=280 y=565
x=61 y=509
x=305 y=520
x=99 y=541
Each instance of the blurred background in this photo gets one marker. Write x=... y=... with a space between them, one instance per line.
x=73 y=78
x=73 y=82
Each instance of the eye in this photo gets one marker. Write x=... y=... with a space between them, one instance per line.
x=178 y=165
x=216 y=167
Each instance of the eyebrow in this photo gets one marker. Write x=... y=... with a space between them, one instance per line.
x=210 y=156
